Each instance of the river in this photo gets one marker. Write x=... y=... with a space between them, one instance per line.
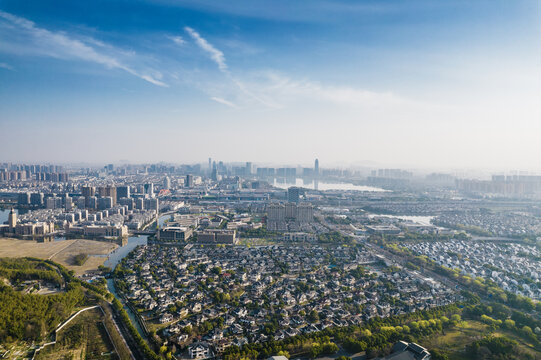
x=116 y=257
x=4 y=215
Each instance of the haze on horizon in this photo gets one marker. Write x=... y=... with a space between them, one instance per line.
x=418 y=84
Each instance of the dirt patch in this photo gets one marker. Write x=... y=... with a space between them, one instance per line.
x=62 y=252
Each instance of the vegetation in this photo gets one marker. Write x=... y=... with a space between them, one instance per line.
x=32 y=317
x=262 y=232
x=375 y=337
x=84 y=337
x=79 y=259
x=338 y=220
x=19 y=270
x=147 y=351
x=334 y=237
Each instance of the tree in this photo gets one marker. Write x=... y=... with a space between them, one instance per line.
x=313 y=316
x=509 y=324
x=455 y=319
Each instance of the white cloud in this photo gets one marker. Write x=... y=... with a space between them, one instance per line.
x=219 y=58
x=224 y=102
x=177 y=40
x=216 y=55
x=43 y=42
x=6 y=66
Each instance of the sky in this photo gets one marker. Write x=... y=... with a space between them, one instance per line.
x=412 y=84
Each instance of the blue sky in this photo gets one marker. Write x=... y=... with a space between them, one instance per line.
x=449 y=84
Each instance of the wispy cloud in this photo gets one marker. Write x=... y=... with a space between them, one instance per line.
x=283 y=90
x=6 y=66
x=224 y=102
x=33 y=40
x=177 y=40
x=216 y=55
x=219 y=58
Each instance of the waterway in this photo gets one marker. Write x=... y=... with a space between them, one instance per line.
x=323 y=186
x=119 y=253
x=422 y=220
x=116 y=256
x=4 y=215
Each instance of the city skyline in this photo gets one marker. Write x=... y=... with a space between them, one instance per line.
x=424 y=84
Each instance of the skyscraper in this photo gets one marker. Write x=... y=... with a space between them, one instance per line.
x=12 y=219
x=293 y=194
x=122 y=192
x=316 y=167
x=189 y=181
x=108 y=191
x=149 y=189
x=166 y=183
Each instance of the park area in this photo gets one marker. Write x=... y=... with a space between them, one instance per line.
x=85 y=337
x=64 y=252
x=454 y=340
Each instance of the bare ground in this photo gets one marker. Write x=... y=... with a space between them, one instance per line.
x=62 y=252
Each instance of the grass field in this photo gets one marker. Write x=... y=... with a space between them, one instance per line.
x=83 y=338
x=62 y=252
x=454 y=341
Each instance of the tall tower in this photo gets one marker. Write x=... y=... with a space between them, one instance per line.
x=158 y=223
x=166 y=183
x=316 y=167
x=12 y=219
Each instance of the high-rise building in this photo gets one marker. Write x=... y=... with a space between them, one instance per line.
x=105 y=202
x=140 y=204
x=122 y=192
x=189 y=181
x=88 y=191
x=152 y=204
x=291 y=210
x=275 y=212
x=108 y=191
x=316 y=167
x=12 y=219
x=36 y=199
x=166 y=183
x=23 y=198
x=248 y=168
x=92 y=202
x=54 y=202
x=81 y=202
x=305 y=213
x=149 y=189
x=293 y=194
x=68 y=203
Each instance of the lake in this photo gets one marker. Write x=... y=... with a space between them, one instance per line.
x=324 y=186
x=422 y=220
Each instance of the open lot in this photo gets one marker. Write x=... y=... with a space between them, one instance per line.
x=62 y=252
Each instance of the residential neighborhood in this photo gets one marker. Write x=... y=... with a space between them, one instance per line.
x=514 y=267
x=220 y=296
